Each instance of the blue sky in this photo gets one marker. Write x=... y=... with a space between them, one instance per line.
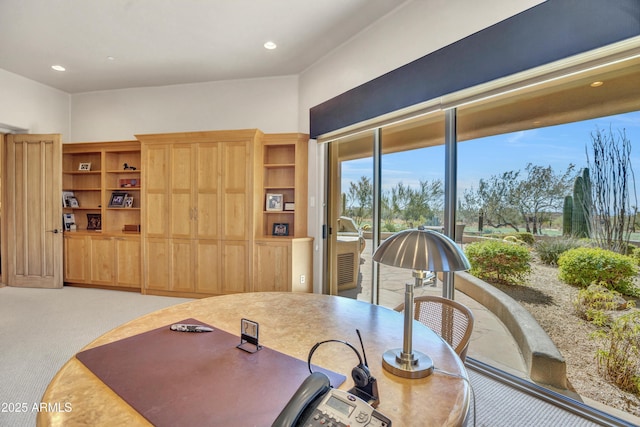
x=555 y=146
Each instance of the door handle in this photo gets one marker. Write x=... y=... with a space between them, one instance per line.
x=54 y=231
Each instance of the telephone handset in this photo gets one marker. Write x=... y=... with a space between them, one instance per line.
x=315 y=403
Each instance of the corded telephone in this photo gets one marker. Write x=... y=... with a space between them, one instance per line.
x=315 y=403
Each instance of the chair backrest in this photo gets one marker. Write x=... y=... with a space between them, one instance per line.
x=450 y=319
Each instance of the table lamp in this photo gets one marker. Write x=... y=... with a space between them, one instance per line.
x=419 y=250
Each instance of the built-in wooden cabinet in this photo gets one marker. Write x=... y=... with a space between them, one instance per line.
x=284 y=173
x=102 y=260
x=98 y=251
x=198 y=211
x=284 y=265
x=200 y=199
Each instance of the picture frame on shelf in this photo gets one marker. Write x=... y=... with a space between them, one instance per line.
x=289 y=206
x=84 y=166
x=65 y=198
x=73 y=202
x=280 y=229
x=69 y=221
x=274 y=202
x=118 y=199
x=128 y=202
x=94 y=221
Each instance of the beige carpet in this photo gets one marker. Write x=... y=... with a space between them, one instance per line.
x=42 y=328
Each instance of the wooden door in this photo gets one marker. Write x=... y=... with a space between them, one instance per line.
x=103 y=260
x=207 y=191
x=128 y=272
x=34 y=211
x=272 y=271
x=237 y=191
x=183 y=210
x=155 y=209
x=76 y=266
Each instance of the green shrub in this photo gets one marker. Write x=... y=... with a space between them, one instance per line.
x=593 y=303
x=635 y=254
x=526 y=237
x=585 y=266
x=498 y=261
x=549 y=250
x=619 y=357
x=518 y=236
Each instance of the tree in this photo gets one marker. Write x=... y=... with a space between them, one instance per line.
x=612 y=190
x=359 y=200
x=493 y=199
x=542 y=191
x=416 y=205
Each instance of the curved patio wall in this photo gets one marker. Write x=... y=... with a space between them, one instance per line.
x=544 y=361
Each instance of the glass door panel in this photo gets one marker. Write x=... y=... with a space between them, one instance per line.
x=350 y=203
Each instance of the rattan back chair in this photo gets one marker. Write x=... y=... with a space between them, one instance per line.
x=450 y=319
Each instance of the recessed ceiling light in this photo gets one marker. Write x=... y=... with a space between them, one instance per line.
x=58 y=68
x=111 y=58
x=596 y=84
x=270 y=45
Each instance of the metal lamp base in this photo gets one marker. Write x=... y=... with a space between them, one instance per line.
x=414 y=365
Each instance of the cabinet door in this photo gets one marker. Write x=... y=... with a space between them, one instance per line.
x=208 y=271
x=156 y=183
x=237 y=190
x=128 y=258
x=182 y=210
x=182 y=265
x=272 y=267
x=207 y=191
x=157 y=264
x=75 y=260
x=235 y=266
x=103 y=260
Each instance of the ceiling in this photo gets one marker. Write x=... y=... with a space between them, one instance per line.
x=114 y=44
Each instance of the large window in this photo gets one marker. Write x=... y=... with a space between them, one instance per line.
x=546 y=124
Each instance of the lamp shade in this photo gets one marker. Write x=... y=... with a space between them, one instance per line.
x=421 y=250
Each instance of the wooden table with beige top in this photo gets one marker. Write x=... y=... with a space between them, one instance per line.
x=290 y=323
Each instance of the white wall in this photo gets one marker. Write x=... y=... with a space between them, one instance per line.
x=278 y=104
x=29 y=106
x=414 y=30
x=269 y=104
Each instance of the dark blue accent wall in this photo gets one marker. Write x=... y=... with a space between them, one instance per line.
x=545 y=33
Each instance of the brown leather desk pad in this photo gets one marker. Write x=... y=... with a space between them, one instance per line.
x=198 y=378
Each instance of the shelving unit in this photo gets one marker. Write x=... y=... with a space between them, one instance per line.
x=107 y=257
x=283 y=263
x=284 y=169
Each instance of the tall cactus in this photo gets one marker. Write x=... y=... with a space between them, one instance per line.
x=581 y=205
x=567 y=212
x=587 y=201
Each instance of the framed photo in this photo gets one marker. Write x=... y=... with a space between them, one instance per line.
x=84 y=167
x=128 y=202
x=118 y=199
x=289 y=206
x=280 y=229
x=73 y=202
x=94 y=221
x=69 y=221
x=274 y=202
x=66 y=195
